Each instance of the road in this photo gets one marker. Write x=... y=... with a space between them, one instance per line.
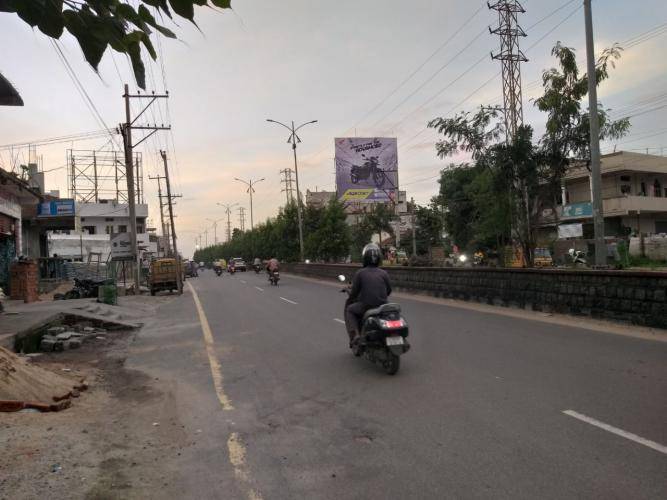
x=478 y=409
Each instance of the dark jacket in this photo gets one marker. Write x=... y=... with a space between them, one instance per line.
x=370 y=286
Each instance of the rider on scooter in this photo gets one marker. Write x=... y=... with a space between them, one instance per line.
x=370 y=289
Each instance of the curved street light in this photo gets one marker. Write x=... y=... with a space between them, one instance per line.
x=294 y=139
x=250 y=183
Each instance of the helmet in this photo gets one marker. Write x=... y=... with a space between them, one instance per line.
x=371 y=255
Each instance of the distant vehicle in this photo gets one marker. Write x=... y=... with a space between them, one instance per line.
x=191 y=270
x=239 y=264
x=201 y=265
x=163 y=275
x=401 y=257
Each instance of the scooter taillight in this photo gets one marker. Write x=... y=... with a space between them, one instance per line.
x=390 y=324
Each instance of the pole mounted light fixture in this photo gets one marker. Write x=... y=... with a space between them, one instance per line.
x=294 y=139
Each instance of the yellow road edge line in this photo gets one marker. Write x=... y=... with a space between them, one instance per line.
x=237 y=454
x=216 y=371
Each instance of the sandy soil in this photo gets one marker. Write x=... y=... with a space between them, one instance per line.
x=87 y=450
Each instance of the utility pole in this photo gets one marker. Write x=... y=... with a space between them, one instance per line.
x=205 y=238
x=294 y=139
x=228 y=211
x=242 y=218
x=414 y=228
x=287 y=180
x=250 y=183
x=173 y=227
x=126 y=130
x=159 y=194
x=596 y=176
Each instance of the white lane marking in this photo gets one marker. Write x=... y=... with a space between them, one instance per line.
x=339 y=320
x=618 y=432
x=288 y=300
x=243 y=281
x=260 y=289
x=216 y=371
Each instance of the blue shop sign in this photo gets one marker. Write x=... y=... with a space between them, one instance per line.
x=56 y=208
x=577 y=210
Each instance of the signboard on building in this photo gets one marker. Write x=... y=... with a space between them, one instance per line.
x=9 y=206
x=56 y=208
x=570 y=231
x=121 y=247
x=577 y=210
x=366 y=169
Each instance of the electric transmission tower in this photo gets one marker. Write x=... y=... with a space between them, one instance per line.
x=511 y=57
x=287 y=180
x=242 y=218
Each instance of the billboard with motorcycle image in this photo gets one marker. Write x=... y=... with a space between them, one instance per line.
x=366 y=169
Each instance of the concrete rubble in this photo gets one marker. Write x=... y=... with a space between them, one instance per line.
x=60 y=338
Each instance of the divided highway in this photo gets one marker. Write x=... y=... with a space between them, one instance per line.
x=485 y=405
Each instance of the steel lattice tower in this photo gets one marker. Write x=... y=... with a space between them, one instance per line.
x=511 y=57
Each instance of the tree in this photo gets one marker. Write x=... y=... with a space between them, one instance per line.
x=512 y=180
x=428 y=230
x=331 y=240
x=99 y=24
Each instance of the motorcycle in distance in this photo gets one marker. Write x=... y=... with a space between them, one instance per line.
x=218 y=270
x=383 y=336
x=274 y=277
x=257 y=268
x=370 y=168
x=231 y=269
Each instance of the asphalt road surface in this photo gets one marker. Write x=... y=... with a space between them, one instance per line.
x=484 y=406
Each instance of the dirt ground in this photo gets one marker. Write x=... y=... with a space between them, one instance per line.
x=87 y=450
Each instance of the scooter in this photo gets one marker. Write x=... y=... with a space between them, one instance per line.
x=218 y=270
x=577 y=258
x=257 y=268
x=274 y=277
x=383 y=336
x=232 y=270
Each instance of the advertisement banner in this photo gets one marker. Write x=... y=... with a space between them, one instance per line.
x=577 y=210
x=570 y=231
x=56 y=208
x=121 y=247
x=366 y=169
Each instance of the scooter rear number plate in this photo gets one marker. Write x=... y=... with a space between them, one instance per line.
x=395 y=340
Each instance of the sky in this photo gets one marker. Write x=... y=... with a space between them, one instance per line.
x=366 y=68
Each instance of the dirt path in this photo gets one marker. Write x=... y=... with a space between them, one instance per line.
x=123 y=422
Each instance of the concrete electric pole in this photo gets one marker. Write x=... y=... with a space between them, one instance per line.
x=126 y=130
x=596 y=178
x=173 y=227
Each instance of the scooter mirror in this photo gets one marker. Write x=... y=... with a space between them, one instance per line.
x=341 y=278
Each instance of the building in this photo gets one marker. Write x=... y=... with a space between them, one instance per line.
x=319 y=199
x=634 y=199
x=95 y=225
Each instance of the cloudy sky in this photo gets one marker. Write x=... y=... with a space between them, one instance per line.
x=360 y=67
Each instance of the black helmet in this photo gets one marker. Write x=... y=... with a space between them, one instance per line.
x=371 y=255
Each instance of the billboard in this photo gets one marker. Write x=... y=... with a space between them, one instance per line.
x=366 y=169
x=56 y=208
x=121 y=248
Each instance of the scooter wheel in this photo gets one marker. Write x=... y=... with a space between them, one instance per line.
x=392 y=364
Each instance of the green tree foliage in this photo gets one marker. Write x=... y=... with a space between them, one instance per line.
x=326 y=235
x=428 y=230
x=511 y=181
x=99 y=24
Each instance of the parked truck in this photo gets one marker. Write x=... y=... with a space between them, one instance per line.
x=163 y=275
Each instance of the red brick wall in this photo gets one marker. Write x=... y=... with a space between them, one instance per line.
x=24 y=280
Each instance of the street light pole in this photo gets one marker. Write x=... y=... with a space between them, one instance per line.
x=596 y=178
x=250 y=183
x=228 y=211
x=294 y=139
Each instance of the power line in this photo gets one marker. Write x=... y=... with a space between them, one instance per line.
x=82 y=90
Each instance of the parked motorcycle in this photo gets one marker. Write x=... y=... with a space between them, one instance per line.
x=274 y=277
x=577 y=258
x=83 y=289
x=370 y=168
x=383 y=336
